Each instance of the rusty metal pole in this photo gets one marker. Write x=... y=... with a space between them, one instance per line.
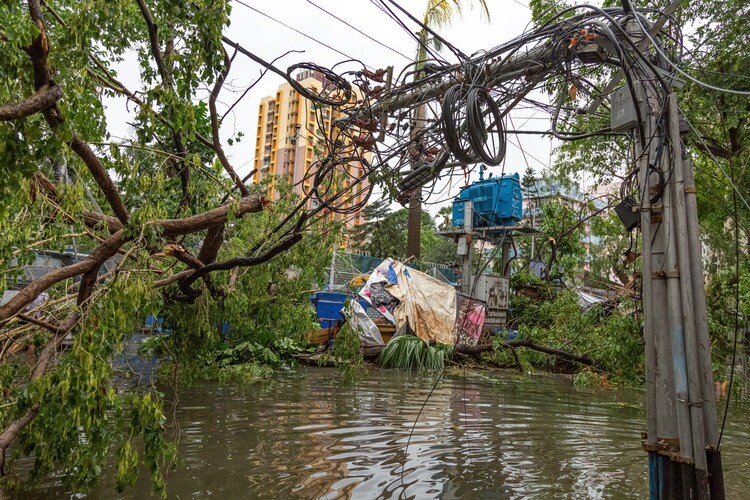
x=414 y=224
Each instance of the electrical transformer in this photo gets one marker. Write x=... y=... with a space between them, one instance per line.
x=496 y=202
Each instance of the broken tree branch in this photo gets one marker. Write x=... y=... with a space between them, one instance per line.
x=101 y=177
x=28 y=293
x=200 y=222
x=584 y=360
x=280 y=247
x=215 y=127
x=45 y=97
x=153 y=35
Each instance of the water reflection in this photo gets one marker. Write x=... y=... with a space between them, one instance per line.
x=305 y=435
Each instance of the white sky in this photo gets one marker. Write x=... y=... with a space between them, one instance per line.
x=268 y=39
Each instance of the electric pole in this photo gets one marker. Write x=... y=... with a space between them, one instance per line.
x=414 y=224
x=681 y=436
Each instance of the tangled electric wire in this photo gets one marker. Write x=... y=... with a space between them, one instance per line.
x=418 y=125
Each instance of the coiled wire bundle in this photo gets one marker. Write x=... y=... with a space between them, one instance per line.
x=473 y=125
x=339 y=95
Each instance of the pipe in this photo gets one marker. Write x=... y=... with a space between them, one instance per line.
x=710 y=424
x=688 y=304
x=677 y=332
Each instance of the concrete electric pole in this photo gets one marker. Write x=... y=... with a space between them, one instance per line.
x=682 y=435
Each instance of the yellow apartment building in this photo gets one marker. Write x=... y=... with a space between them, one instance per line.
x=290 y=139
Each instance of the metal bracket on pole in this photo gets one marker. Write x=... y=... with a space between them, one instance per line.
x=658 y=25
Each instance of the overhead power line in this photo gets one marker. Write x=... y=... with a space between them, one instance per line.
x=359 y=31
x=298 y=31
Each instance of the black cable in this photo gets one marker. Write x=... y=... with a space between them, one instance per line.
x=478 y=105
x=380 y=4
x=295 y=30
x=359 y=31
x=736 y=307
x=460 y=55
x=344 y=88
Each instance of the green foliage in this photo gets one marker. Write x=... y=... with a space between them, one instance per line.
x=146 y=419
x=503 y=356
x=720 y=298
x=268 y=309
x=587 y=379
x=407 y=352
x=611 y=339
x=82 y=417
x=383 y=234
x=543 y=11
x=347 y=354
x=717 y=143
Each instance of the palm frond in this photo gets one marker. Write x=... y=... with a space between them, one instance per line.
x=408 y=352
x=438 y=13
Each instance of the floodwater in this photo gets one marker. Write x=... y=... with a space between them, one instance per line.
x=307 y=435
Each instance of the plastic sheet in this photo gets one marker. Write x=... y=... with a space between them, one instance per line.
x=427 y=304
x=362 y=324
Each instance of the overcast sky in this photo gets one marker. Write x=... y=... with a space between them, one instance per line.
x=269 y=39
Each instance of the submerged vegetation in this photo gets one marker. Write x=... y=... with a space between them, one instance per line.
x=608 y=335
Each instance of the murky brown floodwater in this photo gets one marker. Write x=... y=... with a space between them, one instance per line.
x=305 y=435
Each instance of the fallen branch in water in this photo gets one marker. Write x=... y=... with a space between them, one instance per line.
x=512 y=344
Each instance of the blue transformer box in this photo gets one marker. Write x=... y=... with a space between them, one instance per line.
x=497 y=202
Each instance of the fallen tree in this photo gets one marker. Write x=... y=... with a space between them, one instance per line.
x=513 y=344
x=160 y=218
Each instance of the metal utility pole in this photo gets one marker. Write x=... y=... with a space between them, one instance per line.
x=681 y=436
x=414 y=224
x=506 y=255
x=464 y=248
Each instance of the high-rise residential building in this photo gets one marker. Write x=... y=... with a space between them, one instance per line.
x=290 y=141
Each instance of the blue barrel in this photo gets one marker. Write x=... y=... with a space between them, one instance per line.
x=328 y=307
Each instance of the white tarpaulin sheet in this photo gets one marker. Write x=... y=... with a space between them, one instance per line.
x=386 y=275
x=588 y=300
x=362 y=324
x=427 y=304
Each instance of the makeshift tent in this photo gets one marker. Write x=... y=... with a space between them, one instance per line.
x=425 y=303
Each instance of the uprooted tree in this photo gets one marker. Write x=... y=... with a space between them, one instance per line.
x=160 y=216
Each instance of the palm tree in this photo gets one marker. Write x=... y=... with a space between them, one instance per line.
x=437 y=14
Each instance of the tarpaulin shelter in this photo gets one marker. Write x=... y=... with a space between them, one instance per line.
x=407 y=296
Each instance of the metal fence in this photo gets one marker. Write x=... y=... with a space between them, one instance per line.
x=346 y=266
